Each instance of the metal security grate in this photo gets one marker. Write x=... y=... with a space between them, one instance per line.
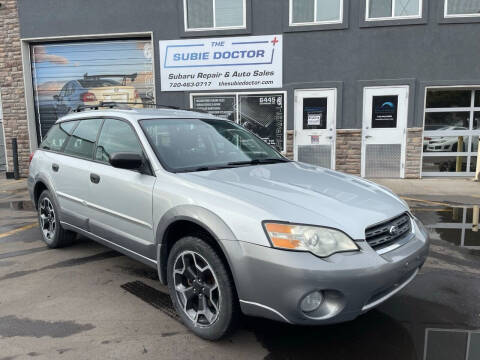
x=383 y=160
x=320 y=155
x=388 y=232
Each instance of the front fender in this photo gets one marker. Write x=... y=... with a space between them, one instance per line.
x=201 y=216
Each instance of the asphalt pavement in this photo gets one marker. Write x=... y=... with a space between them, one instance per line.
x=89 y=302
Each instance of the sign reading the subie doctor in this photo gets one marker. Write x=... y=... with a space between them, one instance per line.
x=221 y=63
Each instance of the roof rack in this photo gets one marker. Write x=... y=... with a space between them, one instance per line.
x=119 y=105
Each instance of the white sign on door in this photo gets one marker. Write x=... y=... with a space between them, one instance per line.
x=222 y=63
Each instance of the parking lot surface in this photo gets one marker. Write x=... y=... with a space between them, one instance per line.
x=89 y=302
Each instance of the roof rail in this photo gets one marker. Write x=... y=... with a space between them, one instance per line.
x=119 y=105
x=126 y=106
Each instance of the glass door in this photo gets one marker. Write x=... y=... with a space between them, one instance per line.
x=315 y=122
x=385 y=112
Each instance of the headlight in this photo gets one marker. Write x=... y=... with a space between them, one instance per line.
x=320 y=241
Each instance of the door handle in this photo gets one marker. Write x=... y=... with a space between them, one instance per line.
x=94 y=178
x=55 y=167
x=368 y=136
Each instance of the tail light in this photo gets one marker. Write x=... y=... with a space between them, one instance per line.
x=31 y=157
x=88 y=97
x=428 y=138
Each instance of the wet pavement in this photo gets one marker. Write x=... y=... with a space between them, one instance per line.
x=87 y=301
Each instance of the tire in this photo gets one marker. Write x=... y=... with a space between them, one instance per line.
x=212 y=286
x=48 y=218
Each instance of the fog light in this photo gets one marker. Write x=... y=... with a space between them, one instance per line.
x=311 y=302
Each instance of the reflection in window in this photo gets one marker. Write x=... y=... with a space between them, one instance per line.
x=57 y=136
x=308 y=12
x=443 y=121
x=445 y=144
x=214 y=14
x=448 y=98
x=82 y=142
x=391 y=9
x=463 y=8
x=116 y=137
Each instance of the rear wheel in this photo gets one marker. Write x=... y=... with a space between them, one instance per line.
x=52 y=232
x=201 y=289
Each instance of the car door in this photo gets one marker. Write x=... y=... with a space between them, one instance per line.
x=71 y=173
x=121 y=200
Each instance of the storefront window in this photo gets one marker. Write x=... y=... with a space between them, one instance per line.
x=392 y=9
x=71 y=76
x=310 y=12
x=214 y=14
x=261 y=113
x=455 y=8
x=451 y=132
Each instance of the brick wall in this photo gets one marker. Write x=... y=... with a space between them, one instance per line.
x=349 y=151
x=12 y=87
x=414 y=153
x=290 y=135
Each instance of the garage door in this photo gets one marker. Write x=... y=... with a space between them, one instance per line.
x=75 y=75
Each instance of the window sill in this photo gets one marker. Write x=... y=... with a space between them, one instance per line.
x=392 y=22
x=316 y=27
x=459 y=19
x=215 y=32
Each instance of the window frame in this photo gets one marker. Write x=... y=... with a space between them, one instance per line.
x=469 y=133
x=393 y=17
x=315 y=22
x=446 y=15
x=214 y=28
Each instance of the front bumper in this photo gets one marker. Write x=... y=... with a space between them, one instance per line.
x=272 y=282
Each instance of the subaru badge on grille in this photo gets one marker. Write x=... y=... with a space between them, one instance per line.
x=393 y=230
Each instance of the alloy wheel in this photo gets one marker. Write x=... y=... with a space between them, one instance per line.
x=47 y=219
x=196 y=288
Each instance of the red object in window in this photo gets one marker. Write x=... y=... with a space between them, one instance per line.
x=137 y=96
x=87 y=97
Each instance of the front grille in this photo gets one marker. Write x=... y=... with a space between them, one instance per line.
x=386 y=233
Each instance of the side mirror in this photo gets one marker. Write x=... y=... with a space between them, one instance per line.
x=129 y=161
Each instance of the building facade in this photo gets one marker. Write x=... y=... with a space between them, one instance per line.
x=377 y=88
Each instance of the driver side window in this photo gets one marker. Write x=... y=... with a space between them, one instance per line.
x=116 y=137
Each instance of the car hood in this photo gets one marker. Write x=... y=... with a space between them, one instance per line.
x=301 y=193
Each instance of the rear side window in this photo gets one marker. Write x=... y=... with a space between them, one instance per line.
x=116 y=136
x=82 y=141
x=57 y=136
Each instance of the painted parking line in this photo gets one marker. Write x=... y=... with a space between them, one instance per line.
x=14 y=231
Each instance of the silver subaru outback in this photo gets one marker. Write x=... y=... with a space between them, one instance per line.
x=230 y=224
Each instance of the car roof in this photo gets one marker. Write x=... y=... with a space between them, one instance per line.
x=138 y=114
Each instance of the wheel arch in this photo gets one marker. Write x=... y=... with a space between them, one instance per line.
x=191 y=220
x=41 y=184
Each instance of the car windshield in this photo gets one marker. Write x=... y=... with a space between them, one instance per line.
x=184 y=145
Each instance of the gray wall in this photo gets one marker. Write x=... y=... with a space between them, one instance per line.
x=429 y=51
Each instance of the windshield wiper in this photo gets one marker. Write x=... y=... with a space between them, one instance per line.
x=258 y=161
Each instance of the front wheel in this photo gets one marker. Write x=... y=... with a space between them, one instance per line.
x=201 y=289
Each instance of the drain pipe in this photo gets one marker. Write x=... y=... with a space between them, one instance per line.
x=16 y=172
